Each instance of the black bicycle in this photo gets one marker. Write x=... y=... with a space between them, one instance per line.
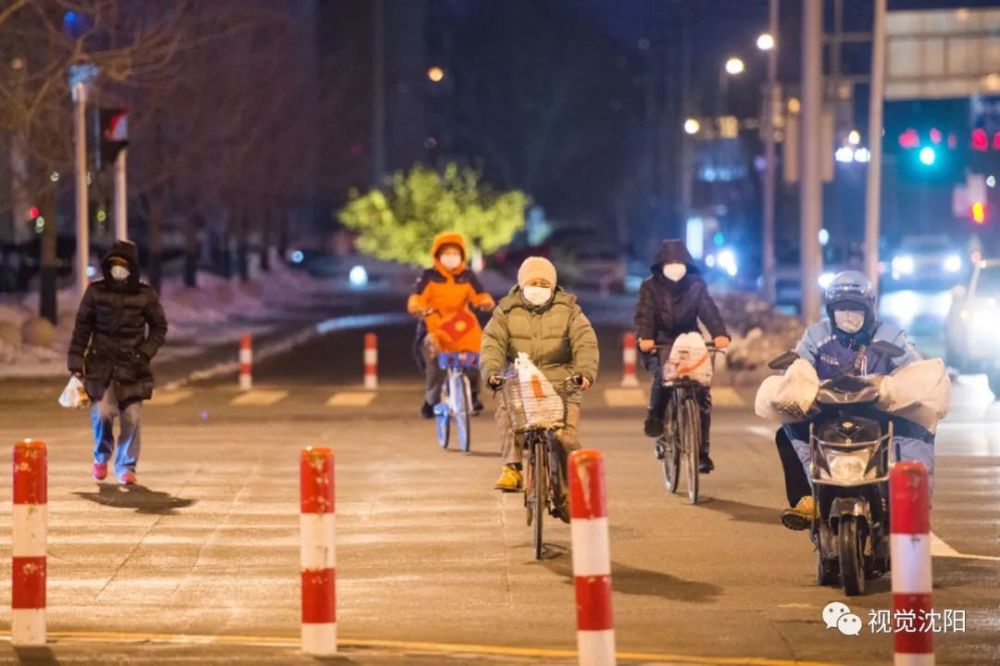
x=534 y=415
x=682 y=436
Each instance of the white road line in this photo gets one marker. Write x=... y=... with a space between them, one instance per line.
x=167 y=398
x=939 y=548
x=259 y=398
x=765 y=432
x=351 y=399
x=624 y=397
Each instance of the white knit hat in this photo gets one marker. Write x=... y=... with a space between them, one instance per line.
x=535 y=268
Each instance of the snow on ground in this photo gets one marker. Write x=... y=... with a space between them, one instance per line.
x=218 y=312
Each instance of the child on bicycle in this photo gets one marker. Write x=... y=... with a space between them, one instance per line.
x=543 y=320
x=442 y=297
x=672 y=301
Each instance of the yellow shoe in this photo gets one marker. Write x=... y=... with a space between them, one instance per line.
x=801 y=517
x=510 y=480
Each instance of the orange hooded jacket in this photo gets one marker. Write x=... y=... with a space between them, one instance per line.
x=452 y=325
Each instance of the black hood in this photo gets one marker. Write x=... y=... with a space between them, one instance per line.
x=673 y=252
x=122 y=250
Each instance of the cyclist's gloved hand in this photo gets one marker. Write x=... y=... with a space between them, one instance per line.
x=494 y=381
x=646 y=346
x=584 y=383
x=721 y=342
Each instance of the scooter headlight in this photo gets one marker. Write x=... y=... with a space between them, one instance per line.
x=848 y=467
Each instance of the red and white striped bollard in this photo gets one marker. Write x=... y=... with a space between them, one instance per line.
x=595 y=634
x=30 y=522
x=318 y=550
x=910 y=545
x=629 y=357
x=371 y=361
x=246 y=362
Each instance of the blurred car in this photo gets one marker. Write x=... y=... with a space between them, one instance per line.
x=590 y=265
x=927 y=262
x=972 y=335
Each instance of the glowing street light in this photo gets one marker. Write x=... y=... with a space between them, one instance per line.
x=692 y=126
x=735 y=66
x=765 y=41
x=854 y=138
x=435 y=74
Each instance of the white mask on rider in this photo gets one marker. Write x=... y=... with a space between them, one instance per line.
x=674 y=272
x=537 y=295
x=451 y=260
x=849 y=321
x=120 y=273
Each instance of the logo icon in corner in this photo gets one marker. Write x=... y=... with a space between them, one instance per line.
x=837 y=615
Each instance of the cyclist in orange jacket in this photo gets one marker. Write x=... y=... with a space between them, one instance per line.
x=443 y=296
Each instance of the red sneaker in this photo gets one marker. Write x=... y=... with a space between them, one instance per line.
x=99 y=471
x=128 y=479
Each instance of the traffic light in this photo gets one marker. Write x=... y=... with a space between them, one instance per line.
x=114 y=134
x=979 y=212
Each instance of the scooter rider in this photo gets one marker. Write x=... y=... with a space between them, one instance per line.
x=839 y=345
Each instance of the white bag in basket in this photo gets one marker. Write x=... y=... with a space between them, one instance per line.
x=74 y=396
x=544 y=405
x=689 y=358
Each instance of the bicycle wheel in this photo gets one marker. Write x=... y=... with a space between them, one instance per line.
x=690 y=432
x=442 y=417
x=462 y=407
x=541 y=491
x=671 y=461
x=529 y=478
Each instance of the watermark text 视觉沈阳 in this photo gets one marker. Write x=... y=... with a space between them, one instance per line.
x=837 y=615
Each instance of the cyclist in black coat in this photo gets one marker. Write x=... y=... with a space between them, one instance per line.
x=119 y=328
x=671 y=302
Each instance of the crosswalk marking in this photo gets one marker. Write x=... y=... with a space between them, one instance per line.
x=259 y=398
x=167 y=398
x=939 y=548
x=351 y=399
x=624 y=397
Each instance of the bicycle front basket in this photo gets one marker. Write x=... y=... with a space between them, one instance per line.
x=529 y=406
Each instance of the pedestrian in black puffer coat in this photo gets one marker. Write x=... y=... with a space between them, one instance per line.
x=119 y=328
x=671 y=302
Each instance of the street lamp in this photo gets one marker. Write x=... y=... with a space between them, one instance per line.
x=735 y=66
x=692 y=126
x=435 y=74
x=765 y=41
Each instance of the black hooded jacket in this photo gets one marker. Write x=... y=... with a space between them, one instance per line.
x=119 y=328
x=667 y=309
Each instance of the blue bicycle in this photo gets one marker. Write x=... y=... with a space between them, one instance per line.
x=456 y=399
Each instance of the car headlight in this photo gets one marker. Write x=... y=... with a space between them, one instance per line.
x=903 y=265
x=953 y=264
x=984 y=325
x=848 y=467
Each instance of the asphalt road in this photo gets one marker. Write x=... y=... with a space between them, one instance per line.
x=200 y=563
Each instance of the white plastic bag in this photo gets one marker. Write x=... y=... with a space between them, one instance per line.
x=74 y=396
x=788 y=398
x=542 y=404
x=919 y=391
x=689 y=358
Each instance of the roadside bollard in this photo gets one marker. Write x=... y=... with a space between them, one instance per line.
x=319 y=562
x=629 y=356
x=910 y=524
x=29 y=517
x=246 y=362
x=595 y=634
x=371 y=361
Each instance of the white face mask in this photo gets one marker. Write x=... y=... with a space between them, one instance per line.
x=538 y=295
x=120 y=273
x=849 y=321
x=674 y=272
x=451 y=260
